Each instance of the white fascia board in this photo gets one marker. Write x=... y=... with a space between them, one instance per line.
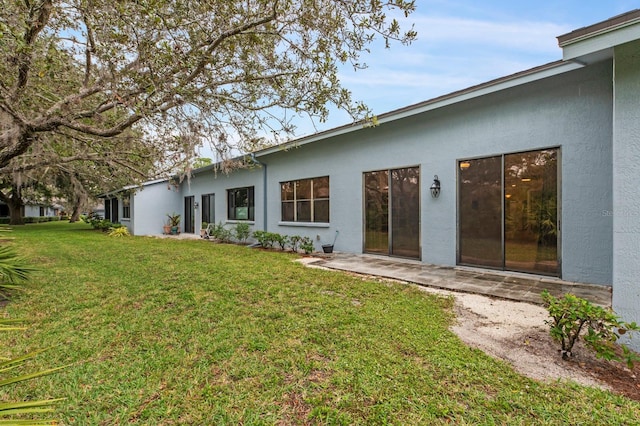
x=128 y=187
x=440 y=102
x=603 y=43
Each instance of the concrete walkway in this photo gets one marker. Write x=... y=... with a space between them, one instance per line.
x=511 y=285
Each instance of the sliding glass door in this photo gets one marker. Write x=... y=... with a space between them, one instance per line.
x=508 y=212
x=392 y=212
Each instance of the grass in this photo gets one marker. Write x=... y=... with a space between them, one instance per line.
x=170 y=332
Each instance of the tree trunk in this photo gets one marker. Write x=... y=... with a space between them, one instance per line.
x=15 y=210
x=75 y=215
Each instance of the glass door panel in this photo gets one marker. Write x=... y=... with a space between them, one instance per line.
x=531 y=212
x=376 y=211
x=189 y=215
x=405 y=212
x=480 y=212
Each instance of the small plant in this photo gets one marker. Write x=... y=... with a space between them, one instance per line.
x=242 y=231
x=102 y=224
x=174 y=219
x=294 y=241
x=119 y=231
x=571 y=314
x=306 y=244
x=220 y=233
x=266 y=239
x=282 y=240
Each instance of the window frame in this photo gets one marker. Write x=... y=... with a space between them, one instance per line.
x=126 y=207
x=313 y=198
x=232 y=205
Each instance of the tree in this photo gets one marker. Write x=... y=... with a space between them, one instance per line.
x=179 y=72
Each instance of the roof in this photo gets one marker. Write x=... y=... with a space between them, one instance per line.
x=619 y=21
x=580 y=47
x=596 y=42
x=502 y=83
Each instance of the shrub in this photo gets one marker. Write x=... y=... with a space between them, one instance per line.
x=242 y=232
x=306 y=244
x=571 y=314
x=219 y=232
x=119 y=231
x=266 y=239
x=294 y=240
x=282 y=240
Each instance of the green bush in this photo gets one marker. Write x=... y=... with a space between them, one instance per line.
x=294 y=241
x=570 y=315
x=222 y=234
x=282 y=240
x=306 y=244
x=242 y=232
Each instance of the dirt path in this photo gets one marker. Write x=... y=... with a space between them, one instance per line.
x=516 y=332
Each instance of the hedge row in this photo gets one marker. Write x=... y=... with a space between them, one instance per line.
x=34 y=219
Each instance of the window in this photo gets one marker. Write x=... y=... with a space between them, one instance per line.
x=126 y=207
x=41 y=211
x=240 y=204
x=305 y=200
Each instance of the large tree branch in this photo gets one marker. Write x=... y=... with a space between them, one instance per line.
x=38 y=19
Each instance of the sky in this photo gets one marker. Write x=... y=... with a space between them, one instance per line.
x=462 y=43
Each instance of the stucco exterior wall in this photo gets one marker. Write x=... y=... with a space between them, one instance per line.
x=572 y=111
x=149 y=208
x=626 y=191
x=212 y=182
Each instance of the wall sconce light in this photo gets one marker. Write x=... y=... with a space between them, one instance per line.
x=196 y=205
x=435 y=187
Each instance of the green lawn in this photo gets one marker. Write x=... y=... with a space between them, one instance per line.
x=162 y=332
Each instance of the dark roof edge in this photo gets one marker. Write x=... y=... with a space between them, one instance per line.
x=603 y=26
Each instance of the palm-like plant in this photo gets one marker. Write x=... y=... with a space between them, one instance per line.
x=13 y=270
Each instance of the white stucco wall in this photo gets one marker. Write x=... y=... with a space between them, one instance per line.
x=150 y=206
x=626 y=191
x=212 y=182
x=572 y=111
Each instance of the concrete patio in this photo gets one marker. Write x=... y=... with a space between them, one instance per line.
x=506 y=285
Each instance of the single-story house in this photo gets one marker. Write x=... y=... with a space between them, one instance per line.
x=32 y=210
x=533 y=172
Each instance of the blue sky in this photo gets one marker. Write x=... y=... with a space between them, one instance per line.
x=462 y=43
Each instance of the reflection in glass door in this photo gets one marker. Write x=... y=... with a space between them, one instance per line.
x=394 y=231
x=376 y=211
x=508 y=212
x=480 y=212
x=531 y=212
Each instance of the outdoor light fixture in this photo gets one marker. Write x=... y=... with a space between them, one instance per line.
x=196 y=205
x=435 y=187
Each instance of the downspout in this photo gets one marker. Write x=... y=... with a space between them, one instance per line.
x=264 y=189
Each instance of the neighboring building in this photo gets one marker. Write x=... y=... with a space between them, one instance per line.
x=536 y=173
x=32 y=210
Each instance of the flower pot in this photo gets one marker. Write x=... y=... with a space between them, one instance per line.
x=174 y=230
x=327 y=248
x=166 y=229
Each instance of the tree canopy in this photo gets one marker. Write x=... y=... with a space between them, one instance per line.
x=85 y=73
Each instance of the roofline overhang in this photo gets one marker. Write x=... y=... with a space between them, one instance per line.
x=596 y=42
x=130 y=187
x=483 y=89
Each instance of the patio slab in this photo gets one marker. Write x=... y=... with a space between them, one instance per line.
x=511 y=286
